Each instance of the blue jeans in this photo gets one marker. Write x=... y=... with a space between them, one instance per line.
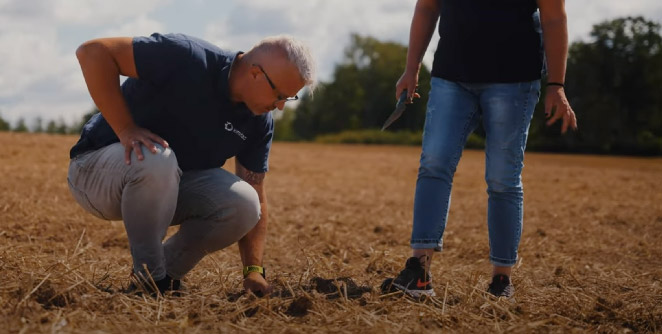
x=453 y=112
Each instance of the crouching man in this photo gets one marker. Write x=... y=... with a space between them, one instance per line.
x=152 y=156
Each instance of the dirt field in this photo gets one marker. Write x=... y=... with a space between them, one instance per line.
x=591 y=250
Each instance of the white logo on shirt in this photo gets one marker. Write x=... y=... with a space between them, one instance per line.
x=230 y=127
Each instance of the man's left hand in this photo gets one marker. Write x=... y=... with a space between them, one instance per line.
x=255 y=283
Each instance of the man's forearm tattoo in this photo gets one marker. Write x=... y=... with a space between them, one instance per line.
x=252 y=177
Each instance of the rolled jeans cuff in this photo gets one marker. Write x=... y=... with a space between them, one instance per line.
x=502 y=262
x=427 y=244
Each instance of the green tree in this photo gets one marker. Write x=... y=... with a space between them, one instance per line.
x=51 y=127
x=613 y=83
x=57 y=127
x=283 y=130
x=362 y=93
x=61 y=127
x=4 y=125
x=77 y=128
x=20 y=126
x=38 y=126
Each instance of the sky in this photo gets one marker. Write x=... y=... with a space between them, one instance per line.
x=40 y=76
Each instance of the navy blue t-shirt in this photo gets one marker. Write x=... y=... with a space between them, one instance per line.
x=182 y=94
x=488 y=41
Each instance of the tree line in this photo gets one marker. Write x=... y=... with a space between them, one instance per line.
x=613 y=83
x=52 y=126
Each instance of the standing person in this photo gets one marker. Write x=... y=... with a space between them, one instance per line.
x=487 y=68
x=152 y=157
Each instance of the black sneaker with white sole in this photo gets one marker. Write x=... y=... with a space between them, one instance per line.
x=152 y=288
x=501 y=286
x=413 y=280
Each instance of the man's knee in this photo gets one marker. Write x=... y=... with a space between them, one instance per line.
x=161 y=166
x=246 y=206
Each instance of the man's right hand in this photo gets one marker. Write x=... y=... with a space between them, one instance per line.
x=133 y=137
x=102 y=62
x=255 y=283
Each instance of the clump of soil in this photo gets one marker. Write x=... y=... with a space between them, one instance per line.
x=299 y=307
x=49 y=298
x=334 y=288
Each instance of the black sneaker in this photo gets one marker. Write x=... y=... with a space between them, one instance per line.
x=413 y=280
x=139 y=286
x=501 y=286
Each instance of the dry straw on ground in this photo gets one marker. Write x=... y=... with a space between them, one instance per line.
x=340 y=220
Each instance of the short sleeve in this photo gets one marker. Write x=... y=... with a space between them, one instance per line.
x=256 y=158
x=158 y=56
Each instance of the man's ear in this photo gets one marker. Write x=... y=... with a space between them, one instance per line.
x=254 y=71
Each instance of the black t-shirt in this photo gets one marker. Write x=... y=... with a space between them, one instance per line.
x=183 y=95
x=489 y=41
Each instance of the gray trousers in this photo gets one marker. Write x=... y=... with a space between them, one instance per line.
x=213 y=207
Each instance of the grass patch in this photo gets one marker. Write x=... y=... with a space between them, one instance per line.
x=377 y=137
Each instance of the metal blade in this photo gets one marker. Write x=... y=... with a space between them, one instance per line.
x=399 y=109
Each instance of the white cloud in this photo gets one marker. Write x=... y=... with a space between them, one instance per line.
x=25 y=16
x=324 y=25
x=39 y=75
x=582 y=15
x=100 y=12
x=32 y=58
x=38 y=79
x=139 y=26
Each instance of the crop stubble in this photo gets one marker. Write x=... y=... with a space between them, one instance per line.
x=340 y=218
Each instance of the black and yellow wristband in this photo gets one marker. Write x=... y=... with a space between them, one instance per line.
x=254 y=269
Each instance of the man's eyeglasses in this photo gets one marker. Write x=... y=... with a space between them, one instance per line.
x=280 y=97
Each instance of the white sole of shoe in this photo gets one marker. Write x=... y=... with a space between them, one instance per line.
x=415 y=293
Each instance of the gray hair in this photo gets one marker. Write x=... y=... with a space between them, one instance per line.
x=296 y=53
